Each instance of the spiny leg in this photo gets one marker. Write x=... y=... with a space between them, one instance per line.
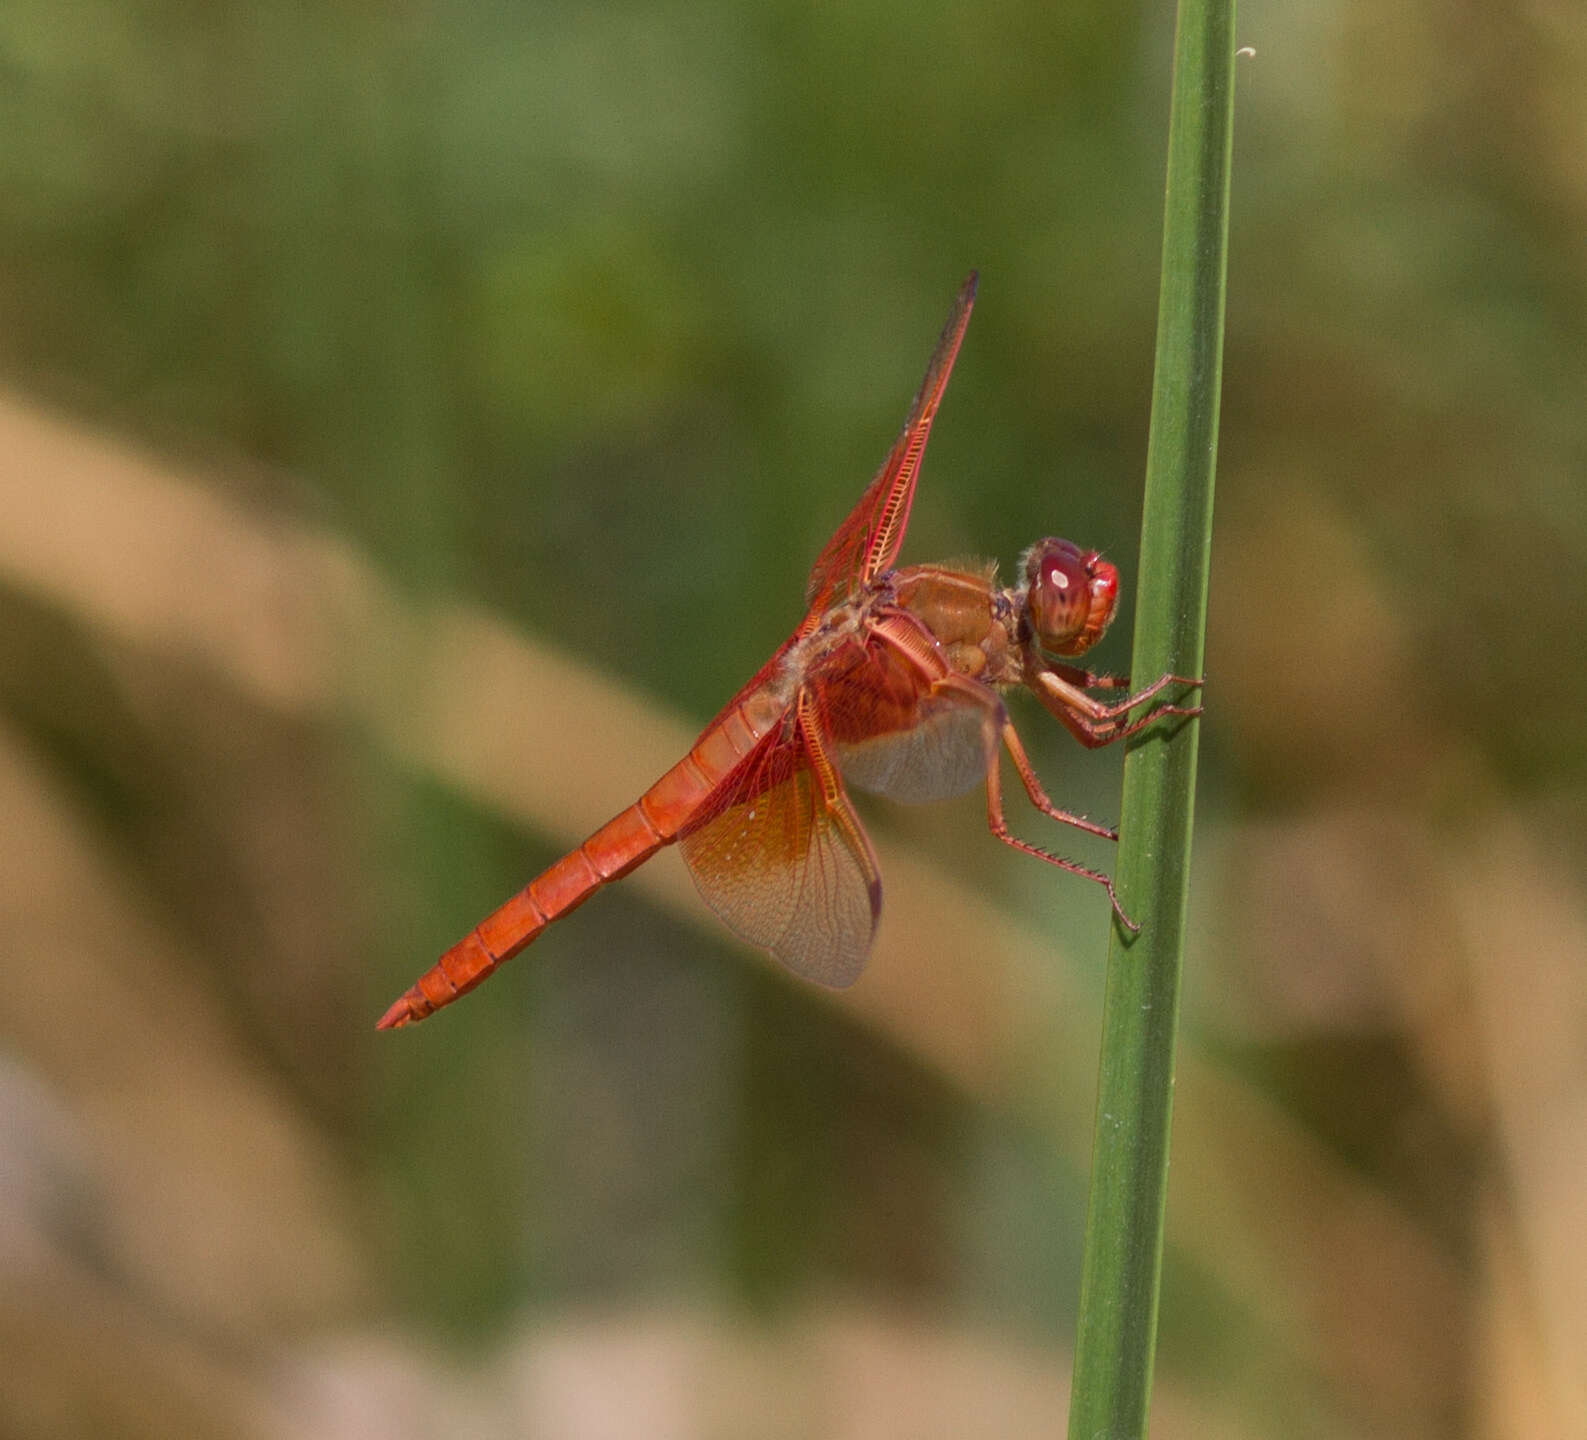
x=1070 y=683
x=1083 y=679
x=1094 y=724
x=997 y=726
x=999 y=827
x=1038 y=796
x=1095 y=734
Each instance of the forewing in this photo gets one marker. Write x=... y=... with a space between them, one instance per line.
x=784 y=861
x=868 y=542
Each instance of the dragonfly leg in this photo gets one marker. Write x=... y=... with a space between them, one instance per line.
x=999 y=826
x=1140 y=697
x=1090 y=721
x=1033 y=787
x=1083 y=679
x=1000 y=728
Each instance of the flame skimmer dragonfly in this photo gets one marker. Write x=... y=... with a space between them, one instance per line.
x=892 y=683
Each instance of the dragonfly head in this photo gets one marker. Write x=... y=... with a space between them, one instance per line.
x=1070 y=596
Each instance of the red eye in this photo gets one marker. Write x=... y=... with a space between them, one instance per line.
x=1071 y=597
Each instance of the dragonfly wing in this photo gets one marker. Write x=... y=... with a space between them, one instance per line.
x=868 y=542
x=783 y=859
x=942 y=753
x=898 y=734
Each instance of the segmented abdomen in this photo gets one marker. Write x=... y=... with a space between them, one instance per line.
x=627 y=840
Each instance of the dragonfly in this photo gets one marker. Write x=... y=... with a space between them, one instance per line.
x=892 y=683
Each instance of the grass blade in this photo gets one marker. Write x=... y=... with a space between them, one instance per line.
x=1124 y=1225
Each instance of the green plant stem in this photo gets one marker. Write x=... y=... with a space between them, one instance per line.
x=1121 y=1274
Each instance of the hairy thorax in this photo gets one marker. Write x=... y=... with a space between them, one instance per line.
x=974 y=622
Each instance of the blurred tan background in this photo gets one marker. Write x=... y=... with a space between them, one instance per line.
x=414 y=423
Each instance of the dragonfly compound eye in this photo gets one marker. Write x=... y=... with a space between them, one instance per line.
x=1072 y=595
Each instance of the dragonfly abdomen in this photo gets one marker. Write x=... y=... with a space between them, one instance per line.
x=624 y=842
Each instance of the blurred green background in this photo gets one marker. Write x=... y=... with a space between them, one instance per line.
x=417 y=420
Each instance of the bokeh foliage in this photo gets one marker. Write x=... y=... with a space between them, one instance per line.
x=598 y=317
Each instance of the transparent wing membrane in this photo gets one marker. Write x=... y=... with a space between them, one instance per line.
x=788 y=867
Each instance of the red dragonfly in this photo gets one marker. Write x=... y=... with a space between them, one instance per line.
x=892 y=683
